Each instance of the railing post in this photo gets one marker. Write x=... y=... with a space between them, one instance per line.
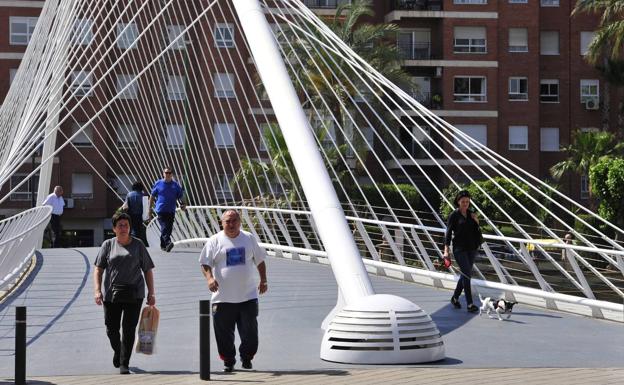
x=20 y=345
x=204 y=340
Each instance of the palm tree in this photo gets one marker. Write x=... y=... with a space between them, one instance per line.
x=604 y=50
x=586 y=150
x=369 y=41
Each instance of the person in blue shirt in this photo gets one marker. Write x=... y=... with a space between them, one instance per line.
x=166 y=192
x=134 y=206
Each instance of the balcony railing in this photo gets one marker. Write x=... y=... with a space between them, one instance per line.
x=415 y=51
x=324 y=3
x=418 y=5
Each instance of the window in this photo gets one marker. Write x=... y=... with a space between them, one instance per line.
x=127 y=86
x=469 y=40
x=518 y=1
x=518 y=89
x=586 y=39
x=12 y=73
x=590 y=90
x=518 y=40
x=469 y=1
x=23 y=193
x=549 y=91
x=176 y=87
x=127 y=35
x=21 y=29
x=224 y=85
x=123 y=183
x=265 y=129
x=369 y=135
x=176 y=136
x=81 y=83
x=224 y=135
x=549 y=139
x=414 y=44
x=584 y=186
x=83 y=31
x=477 y=132
x=549 y=43
x=176 y=35
x=82 y=186
x=518 y=138
x=549 y=3
x=222 y=186
x=224 y=35
x=85 y=137
x=126 y=136
x=470 y=89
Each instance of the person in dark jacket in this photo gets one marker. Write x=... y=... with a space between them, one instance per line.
x=134 y=207
x=463 y=230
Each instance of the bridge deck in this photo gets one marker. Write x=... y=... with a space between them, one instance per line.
x=66 y=329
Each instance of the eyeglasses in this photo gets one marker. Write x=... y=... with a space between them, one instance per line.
x=168 y=172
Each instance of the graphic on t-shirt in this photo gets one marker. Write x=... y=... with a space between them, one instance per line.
x=235 y=256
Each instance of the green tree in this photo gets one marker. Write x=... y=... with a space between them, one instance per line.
x=374 y=43
x=607 y=180
x=586 y=149
x=605 y=49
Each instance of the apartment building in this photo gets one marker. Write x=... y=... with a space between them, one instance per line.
x=509 y=73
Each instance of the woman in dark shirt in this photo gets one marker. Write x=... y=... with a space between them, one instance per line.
x=128 y=268
x=463 y=229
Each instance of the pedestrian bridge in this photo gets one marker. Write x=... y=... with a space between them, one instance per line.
x=66 y=329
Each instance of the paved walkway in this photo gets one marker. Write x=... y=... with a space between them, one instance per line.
x=67 y=343
x=546 y=376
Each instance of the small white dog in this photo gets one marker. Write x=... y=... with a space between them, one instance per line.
x=499 y=306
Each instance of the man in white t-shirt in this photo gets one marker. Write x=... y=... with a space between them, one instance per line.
x=229 y=260
x=56 y=201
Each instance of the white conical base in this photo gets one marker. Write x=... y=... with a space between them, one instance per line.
x=382 y=329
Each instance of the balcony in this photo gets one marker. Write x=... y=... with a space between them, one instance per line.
x=324 y=4
x=415 y=51
x=417 y=5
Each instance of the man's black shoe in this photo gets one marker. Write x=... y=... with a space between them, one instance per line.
x=116 y=360
x=169 y=247
x=472 y=308
x=228 y=368
x=455 y=303
x=123 y=369
x=247 y=364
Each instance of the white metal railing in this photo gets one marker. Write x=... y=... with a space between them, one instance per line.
x=539 y=272
x=19 y=237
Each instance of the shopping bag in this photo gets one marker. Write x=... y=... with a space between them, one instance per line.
x=146 y=209
x=148 y=325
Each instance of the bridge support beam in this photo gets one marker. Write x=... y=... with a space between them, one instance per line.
x=344 y=256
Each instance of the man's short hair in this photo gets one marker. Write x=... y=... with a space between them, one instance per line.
x=119 y=216
x=230 y=211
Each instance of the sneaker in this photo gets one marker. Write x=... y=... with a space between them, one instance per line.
x=169 y=247
x=116 y=360
x=228 y=368
x=123 y=369
x=247 y=364
x=472 y=308
x=455 y=303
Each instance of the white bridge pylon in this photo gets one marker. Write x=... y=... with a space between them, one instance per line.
x=312 y=129
x=342 y=340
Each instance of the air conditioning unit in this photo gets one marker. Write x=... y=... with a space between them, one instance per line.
x=591 y=104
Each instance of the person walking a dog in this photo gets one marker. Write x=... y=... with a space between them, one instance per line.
x=464 y=233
